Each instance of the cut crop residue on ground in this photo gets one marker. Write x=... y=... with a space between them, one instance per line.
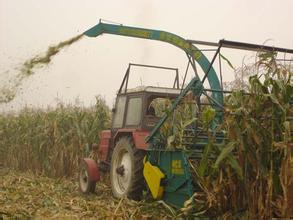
x=28 y=195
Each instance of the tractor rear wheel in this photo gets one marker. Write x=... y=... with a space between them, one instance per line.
x=126 y=172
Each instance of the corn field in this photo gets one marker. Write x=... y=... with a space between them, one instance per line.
x=248 y=176
x=51 y=142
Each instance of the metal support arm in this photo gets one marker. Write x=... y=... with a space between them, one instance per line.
x=167 y=37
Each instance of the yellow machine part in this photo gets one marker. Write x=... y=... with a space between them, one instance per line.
x=153 y=176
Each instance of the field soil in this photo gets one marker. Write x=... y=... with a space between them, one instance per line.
x=28 y=195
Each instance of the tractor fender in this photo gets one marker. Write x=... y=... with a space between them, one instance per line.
x=138 y=137
x=92 y=168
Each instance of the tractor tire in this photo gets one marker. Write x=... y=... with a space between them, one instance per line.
x=126 y=172
x=86 y=186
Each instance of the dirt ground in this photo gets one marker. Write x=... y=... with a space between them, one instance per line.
x=25 y=195
x=29 y=195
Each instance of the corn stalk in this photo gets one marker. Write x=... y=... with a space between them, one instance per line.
x=249 y=176
x=51 y=142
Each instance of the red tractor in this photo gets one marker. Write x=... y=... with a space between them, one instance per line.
x=122 y=149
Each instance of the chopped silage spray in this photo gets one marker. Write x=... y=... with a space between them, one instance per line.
x=9 y=91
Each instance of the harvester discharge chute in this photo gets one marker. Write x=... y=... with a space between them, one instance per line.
x=167 y=37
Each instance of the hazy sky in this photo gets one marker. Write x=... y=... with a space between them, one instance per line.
x=95 y=66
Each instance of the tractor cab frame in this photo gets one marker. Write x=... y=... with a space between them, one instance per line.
x=133 y=114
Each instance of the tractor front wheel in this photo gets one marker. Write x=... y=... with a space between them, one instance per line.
x=126 y=172
x=88 y=176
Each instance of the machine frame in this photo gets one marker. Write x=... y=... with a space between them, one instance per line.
x=167 y=172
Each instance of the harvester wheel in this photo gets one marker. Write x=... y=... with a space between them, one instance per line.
x=86 y=185
x=126 y=172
